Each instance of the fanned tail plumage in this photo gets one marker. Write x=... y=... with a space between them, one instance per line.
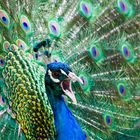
x=99 y=40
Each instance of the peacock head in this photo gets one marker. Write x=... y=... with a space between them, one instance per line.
x=59 y=77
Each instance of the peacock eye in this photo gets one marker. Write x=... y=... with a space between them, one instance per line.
x=4 y=18
x=2 y=62
x=25 y=24
x=21 y=44
x=55 y=74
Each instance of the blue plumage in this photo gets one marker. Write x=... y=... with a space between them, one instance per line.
x=67 y=127
x=56 y=66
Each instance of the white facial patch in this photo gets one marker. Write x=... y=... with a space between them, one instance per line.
x=55 y=80
x=63 y=72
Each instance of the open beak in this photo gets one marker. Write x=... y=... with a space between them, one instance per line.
x=67 y=88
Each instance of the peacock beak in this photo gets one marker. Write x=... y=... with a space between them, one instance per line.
x=75 y=78
x=67 y=88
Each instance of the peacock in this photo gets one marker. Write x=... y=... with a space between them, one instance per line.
x=69 y=69
x=58 y=82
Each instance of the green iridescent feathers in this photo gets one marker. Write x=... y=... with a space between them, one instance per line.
x=99 y=39
x=25 y=110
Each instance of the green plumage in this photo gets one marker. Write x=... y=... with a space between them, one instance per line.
x=99 y=40
x=25 y=91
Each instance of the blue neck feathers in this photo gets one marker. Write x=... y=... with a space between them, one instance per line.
x=67 y=128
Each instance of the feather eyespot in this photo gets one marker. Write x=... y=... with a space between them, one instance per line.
x=86 y=83
x=21 y=44
x=96 y=53
x=128 y=52
x=6 y=46
x=122 y=89
x=2 y=62
x=108 y=120
x=86 y=9
x=4 y=18
x=13 y=47
x=54 y=28
x=125 y=8
x=25 y=24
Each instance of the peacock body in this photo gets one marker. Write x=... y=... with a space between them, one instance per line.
x=99 y=40
x=58 y=80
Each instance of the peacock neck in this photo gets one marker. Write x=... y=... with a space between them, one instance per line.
x=67 y=127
